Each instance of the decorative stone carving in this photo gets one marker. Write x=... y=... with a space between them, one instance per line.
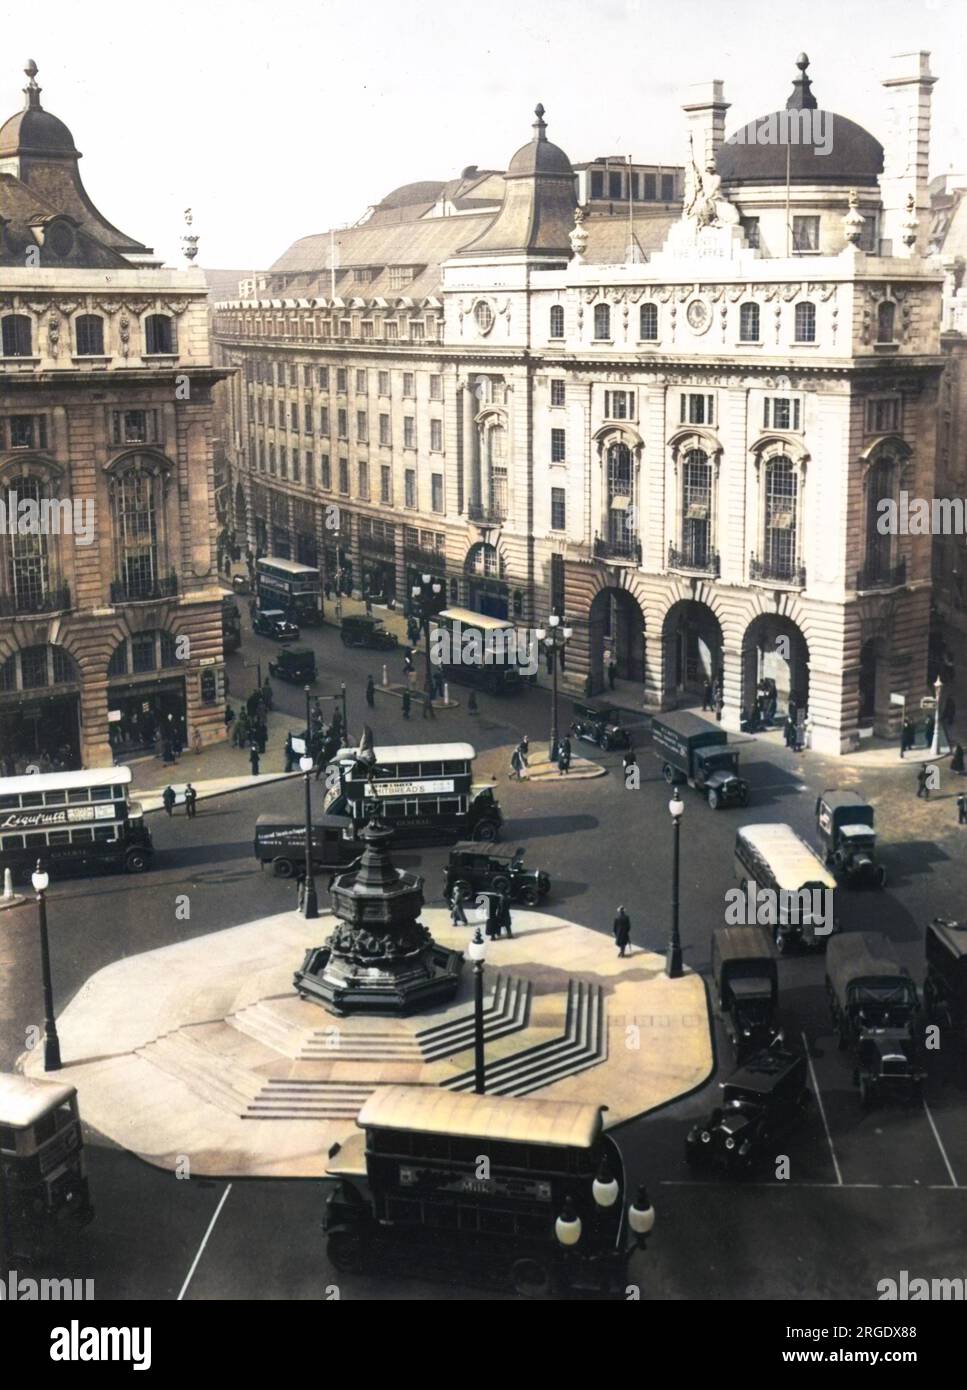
x=124 y=334
x=53 y=335
x=578 y=236
x=854 y=220
x=911 y=223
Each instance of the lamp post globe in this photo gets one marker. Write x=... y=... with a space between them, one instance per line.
x=568 y=1226
x=641 y=1215
x=605 y=1189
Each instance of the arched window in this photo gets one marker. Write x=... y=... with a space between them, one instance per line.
x=805 y=322
x=89 y=335
x=880 y=484
x=17 y=337
x=621 y=531
x=696 y=509
x=159 y=334
x=648 y=323
x=749 y=323
x=602 y=321
x=781 y=537
x=886 y=322
x=557 y=321
x=495 y=474
x=136 y=506
x=28 y=576
x=32 y=668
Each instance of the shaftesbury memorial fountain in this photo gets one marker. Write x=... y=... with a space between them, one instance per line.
x=380 y=959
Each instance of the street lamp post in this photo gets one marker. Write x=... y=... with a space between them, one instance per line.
x=310 y=903
x=345 y=716
x=429 y=600
x=555 y=638
x=478 y=954
x=935 y=741
x=673 y=963
x=41 y=881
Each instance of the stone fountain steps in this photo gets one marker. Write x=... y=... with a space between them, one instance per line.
x=210 y=1074
x=308 y=1100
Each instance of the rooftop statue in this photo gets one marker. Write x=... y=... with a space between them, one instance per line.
x=704 y=202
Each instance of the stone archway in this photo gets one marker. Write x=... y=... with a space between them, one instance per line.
x=692 y=651
x=774 y=648
x=616 y=626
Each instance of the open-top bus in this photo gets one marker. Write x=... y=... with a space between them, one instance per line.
x=73 y=822
x=425 y=792
x=474 y=649
x=533 y=1191
x=292 y=587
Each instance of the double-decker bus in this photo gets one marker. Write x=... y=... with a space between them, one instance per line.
x=73 y=822
x=424 y=792
x=474 y=649
x=532 y=1191
x=290 y=586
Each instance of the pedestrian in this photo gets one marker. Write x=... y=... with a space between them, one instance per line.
x=407 y=701
x=300 y=890
x=905 y=731
x=957 y=761
x=504 y=923
x=289 y=753
x=168 y=800
x=719 y=703
x=524 y=749
x=229 y=716
x=622 y=930
x=928 y=729
x=516 y=765
x=169 y=755
x=564 y=756
x=267 y=699
x=252 y=609
x=370 y=692
x=196 y=740
x=789 y=732
x=612 y=670
x=922 y=787
x=457 y=914
x=472 y=706
x=438 y=684
x=708 y=696
x=493 y=912
x=253 y=757
x=191 y=798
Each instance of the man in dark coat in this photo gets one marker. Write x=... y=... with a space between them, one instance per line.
x=370 y=692
x=922 y=787
x=407 y=701
x=493 y=912
x=457 y=914
x=503 y=914
x=168 y=799
x=564 y=756
x=289 y=753
x=962 y=809
x=957 y=761
x=622 y=930
x=191 y=798
x=253 y=757
x=906 y=736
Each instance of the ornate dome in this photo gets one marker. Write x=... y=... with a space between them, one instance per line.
x=539 y=156
x=34 y=131
x=822 y=147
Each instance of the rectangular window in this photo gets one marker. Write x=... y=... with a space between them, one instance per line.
x=436 y=387
x=325 y=473
x=558 y=446
x=668 y=188
x=597 y=183
x=134 y=426
x=27 y=431
x=805 y=234
x=362 y=426
x=293 y=416
x=323 y=419
x=364 y=480
x=385 y=436
x=367 y=329
x=417 y=334
x=296 y=476
x=696 y=409
x=409 y=384
x=283 y=463
x=361 y=383
x=651 y=188
x=272 y=459
x=384 y=383
x=883 y=415
x=310 y=471
x=558 y=391
x=781 y=413
x=558 y=509
x=342 y=423
x=750 y=225
x=409 y=487
x=436 y=436
x=619 y=405
x=386 y=483
x=614 y=184
x=341 y=379
x=344 y=476
x=436 y=492
x=392 y=330
x=323 y=378
x=409 y=432
x=307 y=418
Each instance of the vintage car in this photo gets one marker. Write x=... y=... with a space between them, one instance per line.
x=945 y=986
x=295 y=664
x=272 y=622
x=41 y=1162
x=844 y=820
x=760 y=1100
x=600 y=725
x=746 y=987
x=498 y=869
x=359 y=630
x=874 y=1006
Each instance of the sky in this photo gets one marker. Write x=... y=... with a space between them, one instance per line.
x=274 y=121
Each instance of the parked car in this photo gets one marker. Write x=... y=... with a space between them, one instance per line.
x=764 y=1097
x=746 y=987
x=359 y=630
x=600 y=724
x=692 y=750
x=844 y=820
x=498 y=869
x=945 y=986
x=874 y=1006
x=295 y=664
x=272 y=622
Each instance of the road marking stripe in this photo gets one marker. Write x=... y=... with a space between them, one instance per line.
x=822 y=1111
x=777 y=1184
x=943 y=1151
x=201 y=1248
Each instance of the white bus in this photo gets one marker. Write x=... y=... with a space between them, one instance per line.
x=73 y=822
x=771 y=858
x=476 y=649
x=290 y=586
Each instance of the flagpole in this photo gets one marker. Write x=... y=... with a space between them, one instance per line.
x=631 y=215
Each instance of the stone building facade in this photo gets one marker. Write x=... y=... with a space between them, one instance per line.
x=110 y=625
x=680 y=440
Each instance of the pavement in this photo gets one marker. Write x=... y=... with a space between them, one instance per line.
x=203 y=1050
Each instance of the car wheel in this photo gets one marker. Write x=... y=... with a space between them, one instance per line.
x=713 y=799
x=529 y=896
x=668 y=772
x=135 y=861
x=344 y=1250
x=500 y=883
x=531 y=1278
x=485 y=832
x=782 y=941
x=282 y=868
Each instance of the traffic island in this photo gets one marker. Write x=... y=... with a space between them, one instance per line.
x=203 y=1050
x=541 y=769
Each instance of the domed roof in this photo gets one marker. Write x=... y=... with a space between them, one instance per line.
x=539 y=156
x=34 y=131
x=803 y=143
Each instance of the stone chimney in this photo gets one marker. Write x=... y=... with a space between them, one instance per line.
x=705 y=108
x=906 y=155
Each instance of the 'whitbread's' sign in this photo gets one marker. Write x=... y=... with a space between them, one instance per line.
x=438 y=785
